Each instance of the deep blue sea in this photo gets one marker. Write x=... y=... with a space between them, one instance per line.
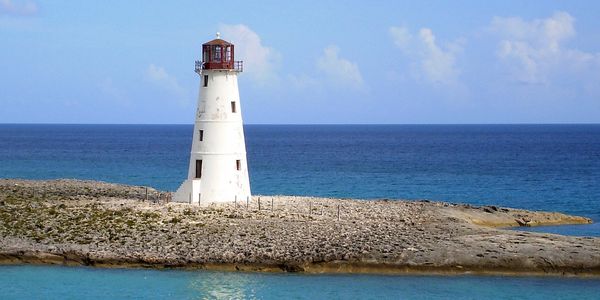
x=540 y=167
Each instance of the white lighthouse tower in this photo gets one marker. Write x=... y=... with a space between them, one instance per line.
x=218 y=171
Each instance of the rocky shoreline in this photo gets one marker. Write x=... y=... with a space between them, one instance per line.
x=72 y=222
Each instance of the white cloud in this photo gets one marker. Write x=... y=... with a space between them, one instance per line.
x=534 y=49
x=23 y=8
x=303 y=81
x=159 y=76
x=430 y=61
x=339 y=70
x=401 y=37
x=260 y=61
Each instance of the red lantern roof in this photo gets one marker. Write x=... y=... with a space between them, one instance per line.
x=218 y=42
x=218 y=54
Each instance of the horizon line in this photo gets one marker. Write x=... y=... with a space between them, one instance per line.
x=319 y=124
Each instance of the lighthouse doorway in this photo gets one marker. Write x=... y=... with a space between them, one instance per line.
x=198 y=168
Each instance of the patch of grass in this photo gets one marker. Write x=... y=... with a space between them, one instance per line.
x=150 y=215
x=52 y=211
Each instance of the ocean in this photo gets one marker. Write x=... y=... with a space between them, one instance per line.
x=538 y=167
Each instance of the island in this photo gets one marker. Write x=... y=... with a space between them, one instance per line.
x=91 y=223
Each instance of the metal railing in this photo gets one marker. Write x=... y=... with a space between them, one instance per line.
x=198 y=66
x=238 y=66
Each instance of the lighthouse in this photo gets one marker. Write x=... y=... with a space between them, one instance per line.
x=218 y=170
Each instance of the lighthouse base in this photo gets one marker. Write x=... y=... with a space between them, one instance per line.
x=188 y=192
x=191 y=191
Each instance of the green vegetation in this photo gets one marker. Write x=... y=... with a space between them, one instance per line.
x=47 y=216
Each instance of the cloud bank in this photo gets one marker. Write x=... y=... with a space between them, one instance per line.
x=430 y=61
x=536 y=49
x=260 y=61
x=339 y=70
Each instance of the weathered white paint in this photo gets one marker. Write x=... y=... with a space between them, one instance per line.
x=222 y=144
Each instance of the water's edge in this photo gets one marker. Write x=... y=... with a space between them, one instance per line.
x=338 y=267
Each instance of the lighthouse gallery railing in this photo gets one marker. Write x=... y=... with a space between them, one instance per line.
x=238 y=66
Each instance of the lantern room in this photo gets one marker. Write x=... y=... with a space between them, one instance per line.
x=218 y=54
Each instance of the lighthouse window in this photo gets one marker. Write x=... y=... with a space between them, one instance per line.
x=233 y=110
x=205 y=80
x=217 y=53
x=198 y=168
x=238 y=164
x=205 y=54
x=200 y=135
x=228 y=53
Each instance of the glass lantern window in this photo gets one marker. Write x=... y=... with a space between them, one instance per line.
x=228 y=53
x=216 y=53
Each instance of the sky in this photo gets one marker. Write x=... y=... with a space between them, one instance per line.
x=305 y=62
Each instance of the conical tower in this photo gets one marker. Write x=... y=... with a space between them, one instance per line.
x=218 y=170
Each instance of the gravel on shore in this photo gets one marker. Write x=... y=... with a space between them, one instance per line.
x=94 y=223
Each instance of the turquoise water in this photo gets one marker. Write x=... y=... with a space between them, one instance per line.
x=34 y=282
x=540 y=167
